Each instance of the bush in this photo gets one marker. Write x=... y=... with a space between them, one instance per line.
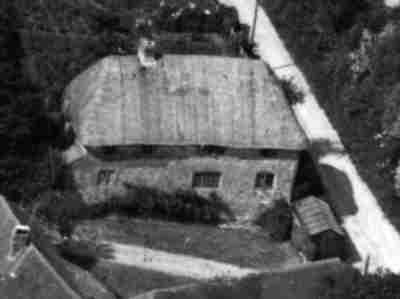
x=292 y=93
x=84 y=253
x=277 y=220
x=64 y=208
x=181 y=205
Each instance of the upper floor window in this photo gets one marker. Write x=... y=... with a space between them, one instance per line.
x=206 y=179
x=264 y=180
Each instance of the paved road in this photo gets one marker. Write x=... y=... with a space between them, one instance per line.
x=175 y=264
x=369 y=229
x=392 y=3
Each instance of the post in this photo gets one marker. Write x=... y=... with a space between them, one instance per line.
x=51 y=166
x=366 y=268
x=253 y=29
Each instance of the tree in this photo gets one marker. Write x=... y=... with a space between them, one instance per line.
x=21 y=158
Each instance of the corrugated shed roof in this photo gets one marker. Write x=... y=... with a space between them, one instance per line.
x=185 y=100
x=316 y=215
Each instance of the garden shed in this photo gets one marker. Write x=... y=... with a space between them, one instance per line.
x=318 y=220
x=212 y=124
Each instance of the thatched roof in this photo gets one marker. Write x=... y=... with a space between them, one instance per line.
x=185 y=100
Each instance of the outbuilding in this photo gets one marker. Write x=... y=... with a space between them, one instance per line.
x=318 y=221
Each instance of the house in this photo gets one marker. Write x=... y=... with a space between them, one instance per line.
x=212 y=124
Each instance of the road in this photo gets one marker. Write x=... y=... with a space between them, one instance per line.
x=374 y=237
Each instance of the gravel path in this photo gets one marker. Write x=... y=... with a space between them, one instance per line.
x=175 y=264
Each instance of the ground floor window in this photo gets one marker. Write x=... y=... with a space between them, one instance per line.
x=264 y=180
x=206 y=179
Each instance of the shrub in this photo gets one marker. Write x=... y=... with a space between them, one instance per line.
x=277 y=220
x=84 y=253
x=64 y=208
x=292 y=93
x=181 y=205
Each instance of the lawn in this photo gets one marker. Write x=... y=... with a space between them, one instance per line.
x=127 y=281
x=241 y=247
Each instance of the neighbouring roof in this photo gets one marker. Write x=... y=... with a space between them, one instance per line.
x=29 y=275
x=32 y=277
x=184 y=100
x=316 y=215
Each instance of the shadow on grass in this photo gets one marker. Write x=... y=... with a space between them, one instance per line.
x=85 y=254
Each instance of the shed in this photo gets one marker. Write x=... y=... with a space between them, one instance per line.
x=317 y=218
x=316 y=215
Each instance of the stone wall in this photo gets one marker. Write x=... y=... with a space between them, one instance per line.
x=98 y=180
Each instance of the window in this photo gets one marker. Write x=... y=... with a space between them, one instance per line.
x=264 y=180
x=207 y=179
x=104 y=176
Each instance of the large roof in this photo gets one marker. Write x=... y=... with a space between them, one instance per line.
x=184 y=100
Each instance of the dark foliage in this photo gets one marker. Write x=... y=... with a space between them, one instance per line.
x=23 y=170
x=371 y=286
x=65 y=208
x=84 y=253
x=292 y=93
x=182 y=205
x=277 y=220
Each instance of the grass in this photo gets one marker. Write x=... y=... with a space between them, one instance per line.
x=130 y=281
x=239 y=247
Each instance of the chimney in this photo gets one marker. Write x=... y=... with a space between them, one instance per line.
x=20 y=240
x=146 y=52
